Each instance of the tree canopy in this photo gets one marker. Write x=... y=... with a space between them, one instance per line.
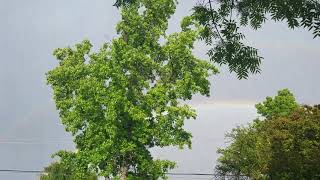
x=128 y=97
x=281 y=105
x=284 y=145
x=295 y=144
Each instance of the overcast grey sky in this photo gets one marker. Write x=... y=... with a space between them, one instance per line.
x=31 y=30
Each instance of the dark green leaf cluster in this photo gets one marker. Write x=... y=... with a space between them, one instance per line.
x=120 y=3
x=128 y=97
x=297 y=13
x=222 y=33
x=240 y=58
x=220 y=30
x=285 y=145
x=295 y=144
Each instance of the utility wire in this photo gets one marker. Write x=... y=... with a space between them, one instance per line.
x=21 y=171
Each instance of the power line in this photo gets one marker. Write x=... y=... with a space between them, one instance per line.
x=21 y=171
x=35 y=143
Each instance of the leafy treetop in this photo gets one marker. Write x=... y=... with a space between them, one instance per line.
x=281 y=105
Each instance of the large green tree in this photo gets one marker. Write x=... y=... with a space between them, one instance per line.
x=283 y=145
x=128 y=97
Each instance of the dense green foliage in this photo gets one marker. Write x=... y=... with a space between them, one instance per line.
x=295 y=144
x=247 y=155
x=58 y=171
x=284 y=145
x=221 y=33
x=127 y=98
x=297 y=13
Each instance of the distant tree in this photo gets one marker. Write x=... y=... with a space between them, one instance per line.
x=281 y=105
x=58 y=171
x=128 y=97
x=286 y=145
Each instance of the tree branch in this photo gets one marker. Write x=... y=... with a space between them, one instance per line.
x=213 y=22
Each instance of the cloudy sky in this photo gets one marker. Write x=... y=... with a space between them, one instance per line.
x=31 y=30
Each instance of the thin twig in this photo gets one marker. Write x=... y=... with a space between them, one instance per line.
x=231 y=8
x=214 y=23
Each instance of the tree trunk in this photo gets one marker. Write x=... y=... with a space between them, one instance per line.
x=123 y=173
